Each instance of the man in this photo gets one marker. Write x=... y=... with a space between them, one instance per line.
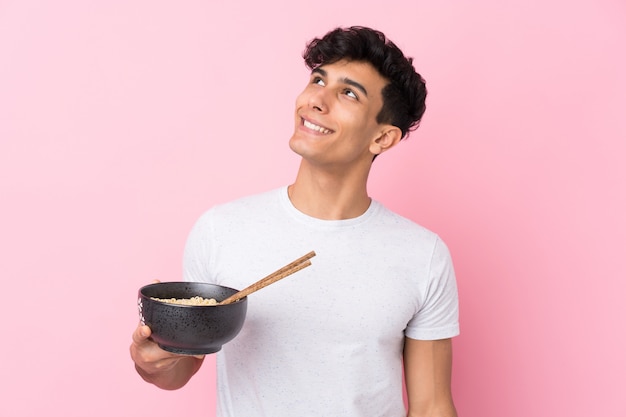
x=379 y=300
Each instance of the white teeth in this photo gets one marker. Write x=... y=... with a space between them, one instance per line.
x=316 y=127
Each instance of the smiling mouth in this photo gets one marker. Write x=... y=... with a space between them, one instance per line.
x=315 y=127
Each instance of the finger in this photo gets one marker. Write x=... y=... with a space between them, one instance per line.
x=141 y=334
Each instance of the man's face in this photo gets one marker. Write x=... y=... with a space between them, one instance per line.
x=335 y=117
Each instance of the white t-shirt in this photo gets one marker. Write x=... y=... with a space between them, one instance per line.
x=327 y=340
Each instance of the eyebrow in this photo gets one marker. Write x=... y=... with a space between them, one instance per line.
x=344 y=80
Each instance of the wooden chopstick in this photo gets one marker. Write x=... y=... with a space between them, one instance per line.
x=279 y=274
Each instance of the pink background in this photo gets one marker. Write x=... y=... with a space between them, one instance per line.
x=121 y=121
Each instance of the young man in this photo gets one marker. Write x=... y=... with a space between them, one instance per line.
x=380 y=299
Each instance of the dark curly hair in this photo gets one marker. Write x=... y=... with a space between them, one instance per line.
x=404 y=98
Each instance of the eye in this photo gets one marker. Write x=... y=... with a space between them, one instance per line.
x=318 y=81
x=350 y=94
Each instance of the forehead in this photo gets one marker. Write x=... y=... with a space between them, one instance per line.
x=360 y=72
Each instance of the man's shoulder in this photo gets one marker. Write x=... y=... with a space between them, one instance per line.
x=250 y=199
x=399 y=230
x=246 y=204
x=401 y=222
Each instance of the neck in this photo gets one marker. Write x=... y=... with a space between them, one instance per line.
x=329 y=196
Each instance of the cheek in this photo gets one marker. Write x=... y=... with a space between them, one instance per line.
x=357 y=123
x=302 y=98
x=299 y=104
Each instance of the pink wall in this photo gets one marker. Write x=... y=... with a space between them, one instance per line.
x=120 y=122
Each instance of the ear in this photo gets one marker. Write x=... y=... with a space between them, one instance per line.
x=388 y=138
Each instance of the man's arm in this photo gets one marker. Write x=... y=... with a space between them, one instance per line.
x=428 y=373
x=163 y=369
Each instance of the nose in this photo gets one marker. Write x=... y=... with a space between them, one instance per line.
x=318 y=101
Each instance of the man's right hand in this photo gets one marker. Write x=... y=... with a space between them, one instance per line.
x=159 y=367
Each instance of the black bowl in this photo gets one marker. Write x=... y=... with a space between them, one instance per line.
x=188 y=329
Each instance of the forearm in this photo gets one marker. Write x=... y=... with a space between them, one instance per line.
x=173 y=376
x=447 y=410
x=428 y=368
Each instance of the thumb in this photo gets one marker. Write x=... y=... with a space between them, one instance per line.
x=145 y=331
x=141 y=334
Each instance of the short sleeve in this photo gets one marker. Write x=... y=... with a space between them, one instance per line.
x=438 y=314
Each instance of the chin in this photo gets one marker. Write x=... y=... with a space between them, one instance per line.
x=293 y=144
x=302 y=148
